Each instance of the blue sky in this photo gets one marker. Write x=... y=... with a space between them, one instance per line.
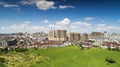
x=72 y=15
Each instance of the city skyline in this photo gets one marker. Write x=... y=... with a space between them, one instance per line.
x=72 y=15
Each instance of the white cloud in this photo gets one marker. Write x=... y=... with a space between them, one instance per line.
x=41 y=4
x=46 y=21
x=28 y=2
x=16 y=27
x=85 y=24
x=64 y=7
x=71 y=26
x=23 y=27
x=88 y=18
x=79 y=23
x=45 y=5
x=4 y=4
x=10 y=5
x=64 y=22
x=103 y=27
x=118 y=28
x=112 y=27
x=51 y=25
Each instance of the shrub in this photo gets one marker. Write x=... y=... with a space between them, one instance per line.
x=2 y=60
x=117 y=49
x=82 y=48
x=114 y=49
x=21 y=49
x=109 y=60
x=36 y=48
x=2 y=65
x=4 y=50
x=109 y=48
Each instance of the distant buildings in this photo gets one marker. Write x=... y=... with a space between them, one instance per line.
x=63 y=35
x=57 y=35
x=52 y=35
x=113 y=36
x=84 y=37
x=72 y=36
x=96 y=34
x=3 y=43
x=38 y=35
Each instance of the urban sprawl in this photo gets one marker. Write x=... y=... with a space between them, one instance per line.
x=59 y=38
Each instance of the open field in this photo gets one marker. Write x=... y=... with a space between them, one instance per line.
x=70 y=56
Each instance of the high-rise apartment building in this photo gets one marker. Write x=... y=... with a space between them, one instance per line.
x=84 y=37
x=51 y=35
x=58 y=35
x=74 y=36
x=61 y=35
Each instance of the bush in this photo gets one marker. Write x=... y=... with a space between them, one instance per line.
x=36 y=48
x=2 y=60
x=21 y=49
x=2 y=65
x=109 y=60
x=82 y=48
x=109 y=48
x=117 y=49
x=114 y=49
x=4 y=50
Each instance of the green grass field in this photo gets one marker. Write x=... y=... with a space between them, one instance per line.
x=71 y=56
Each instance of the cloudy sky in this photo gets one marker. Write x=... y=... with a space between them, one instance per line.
x=72 y=15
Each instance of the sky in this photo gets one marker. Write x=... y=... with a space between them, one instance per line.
x=73 y=15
